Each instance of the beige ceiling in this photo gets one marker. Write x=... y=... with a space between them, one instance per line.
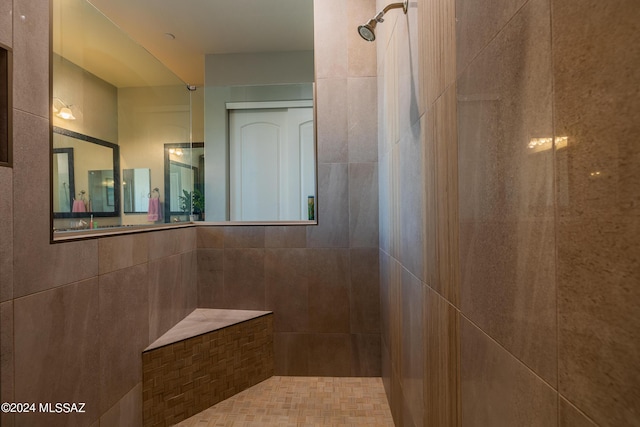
x=83 y=36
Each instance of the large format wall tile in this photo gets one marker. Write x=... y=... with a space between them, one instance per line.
x=330 y=39
x=6 y=24
x=30 y=58
x=57 y=352
x=7 y=360
x=411 y=203
x=165 y=295
x=333 y=208
x=506 y=191
x=124 y=312
x=496 y=389
x=39 y=265
x=447 y=262
x=437 y=32
x=596 y=61
x=362 y=54
x=244 y=285
x=329 y=355
x=328 y=275
x=569 y=416
x=127 y=411
x=210 y=278
x=477 y=23
x=332 y=106
x=6 y=231
x=441 y=361
x=363 y=205
x=365 y=355
x=364 y=295
x=362 y=117
x=287 y=289
x=412 y=365
x=120 y=252
x=599 y=334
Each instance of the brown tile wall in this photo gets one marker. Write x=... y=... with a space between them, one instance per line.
x=320 y=281
x=95 y=304
x=518 y=266
x=181 y=379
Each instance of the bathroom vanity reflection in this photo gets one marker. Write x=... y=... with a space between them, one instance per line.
x=108 y=84
x=85 y=176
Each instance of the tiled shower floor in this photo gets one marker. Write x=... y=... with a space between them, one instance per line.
x=301 y=401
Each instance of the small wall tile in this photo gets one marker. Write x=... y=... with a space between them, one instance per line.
x=333 y=208
x=331 y=115
x=364 y=293
x=328 y=275
x=363 y=205
x=124 y=312
x=244 y=285
x=498 y=390
x=57 y=352
x=287 y=289
x=362 y=119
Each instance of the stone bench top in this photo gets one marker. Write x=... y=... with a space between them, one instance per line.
x=202 y=321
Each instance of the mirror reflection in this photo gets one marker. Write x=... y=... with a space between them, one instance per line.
x=117 y=78
x=85 y=176
x=136 y=190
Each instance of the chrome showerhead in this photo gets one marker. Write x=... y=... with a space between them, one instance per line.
x=367 y=31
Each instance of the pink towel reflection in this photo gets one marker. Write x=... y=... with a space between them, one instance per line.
x=154 y=210
x=78 y=206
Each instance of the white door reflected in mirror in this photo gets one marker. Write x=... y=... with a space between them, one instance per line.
x=272 y=168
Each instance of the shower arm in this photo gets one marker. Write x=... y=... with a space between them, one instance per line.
x=387 y=8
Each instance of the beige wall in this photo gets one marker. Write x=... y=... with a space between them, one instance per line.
x=508 y=273
x=75 y=316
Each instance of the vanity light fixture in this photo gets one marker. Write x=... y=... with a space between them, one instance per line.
x=367 y=31
x=64 y=112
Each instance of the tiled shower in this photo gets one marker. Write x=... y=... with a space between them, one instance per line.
x=477 y=241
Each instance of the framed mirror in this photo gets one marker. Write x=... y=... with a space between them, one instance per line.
x=85 y=176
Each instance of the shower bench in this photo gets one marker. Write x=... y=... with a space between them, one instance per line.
x=208 y=357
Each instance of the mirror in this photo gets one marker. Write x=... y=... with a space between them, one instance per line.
x=85 y=176
x=184 y=181
x=117 y=77
x=136 y=189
